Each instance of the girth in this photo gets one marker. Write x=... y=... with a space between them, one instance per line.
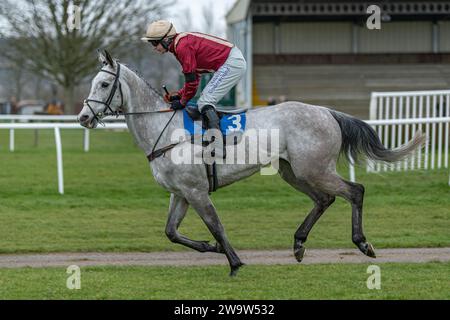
x=211 y=170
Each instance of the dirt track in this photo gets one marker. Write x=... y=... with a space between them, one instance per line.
x=250 y=257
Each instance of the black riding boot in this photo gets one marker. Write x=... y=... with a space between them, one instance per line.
x=212 y=121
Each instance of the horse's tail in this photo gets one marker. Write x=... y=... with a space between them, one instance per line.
x=359 y=138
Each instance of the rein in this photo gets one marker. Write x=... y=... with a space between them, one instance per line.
x=99 y=115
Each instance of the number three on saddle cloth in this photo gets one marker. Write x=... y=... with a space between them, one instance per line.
x=229 y=123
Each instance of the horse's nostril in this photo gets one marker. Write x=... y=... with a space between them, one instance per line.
x=84 y=118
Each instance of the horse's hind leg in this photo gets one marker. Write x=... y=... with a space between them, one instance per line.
x=321 y=202
x=356 y=197
x=177 y=211
x=204 y=207
x=354 y=193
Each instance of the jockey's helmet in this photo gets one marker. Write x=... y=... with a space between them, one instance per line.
x=159 y=30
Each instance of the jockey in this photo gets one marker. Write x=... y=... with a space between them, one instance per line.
x=199 y=53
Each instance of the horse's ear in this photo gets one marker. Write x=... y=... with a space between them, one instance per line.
x=109 y=59
x=102 y=57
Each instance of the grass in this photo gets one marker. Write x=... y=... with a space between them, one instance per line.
x=398 y=281
x=112 y=203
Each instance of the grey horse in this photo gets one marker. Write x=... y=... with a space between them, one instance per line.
x=311 y=138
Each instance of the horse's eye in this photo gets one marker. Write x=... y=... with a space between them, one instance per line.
x=105 y=84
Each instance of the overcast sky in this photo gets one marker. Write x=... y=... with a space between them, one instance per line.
x=195 y=6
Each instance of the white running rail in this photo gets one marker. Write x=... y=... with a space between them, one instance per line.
x=396 y=116
x=57 y=127
x=413 y=125
x=430 y=104
x=39 y=118
x=61 y=118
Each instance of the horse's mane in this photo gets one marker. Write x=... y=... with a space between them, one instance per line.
x=140 y=76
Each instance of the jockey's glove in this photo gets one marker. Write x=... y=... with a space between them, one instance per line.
x=169 y=97
x=176 y=105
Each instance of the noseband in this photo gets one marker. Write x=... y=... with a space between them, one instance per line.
x=108 y=101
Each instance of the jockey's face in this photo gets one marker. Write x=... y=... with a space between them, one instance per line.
x=160 y=49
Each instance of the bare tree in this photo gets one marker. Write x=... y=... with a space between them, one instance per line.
x=211 y=22
x=185 y=20
x=44 y=36
x=15 y=81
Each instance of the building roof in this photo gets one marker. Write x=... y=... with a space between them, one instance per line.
x=317 y=9
x=238 y=12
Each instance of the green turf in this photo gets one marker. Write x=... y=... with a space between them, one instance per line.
x=398 y=281
x=112 y=203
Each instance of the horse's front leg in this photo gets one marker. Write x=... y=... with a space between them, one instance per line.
x=177 y=211
x=201 y=202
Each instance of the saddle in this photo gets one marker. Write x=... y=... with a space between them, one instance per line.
x=232 y=122
x=192 y=110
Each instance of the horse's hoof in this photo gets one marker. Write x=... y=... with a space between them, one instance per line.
x=367 y=249
x=370 y=251
x=299 y=253
x=235 y=269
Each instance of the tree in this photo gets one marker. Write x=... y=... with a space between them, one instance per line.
x=15 y=81
x=57 y=39
x=211 y=22
x=185 y=20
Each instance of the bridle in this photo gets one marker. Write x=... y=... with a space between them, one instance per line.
x=99 y=115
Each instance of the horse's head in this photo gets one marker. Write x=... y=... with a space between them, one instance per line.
x=106 y=96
